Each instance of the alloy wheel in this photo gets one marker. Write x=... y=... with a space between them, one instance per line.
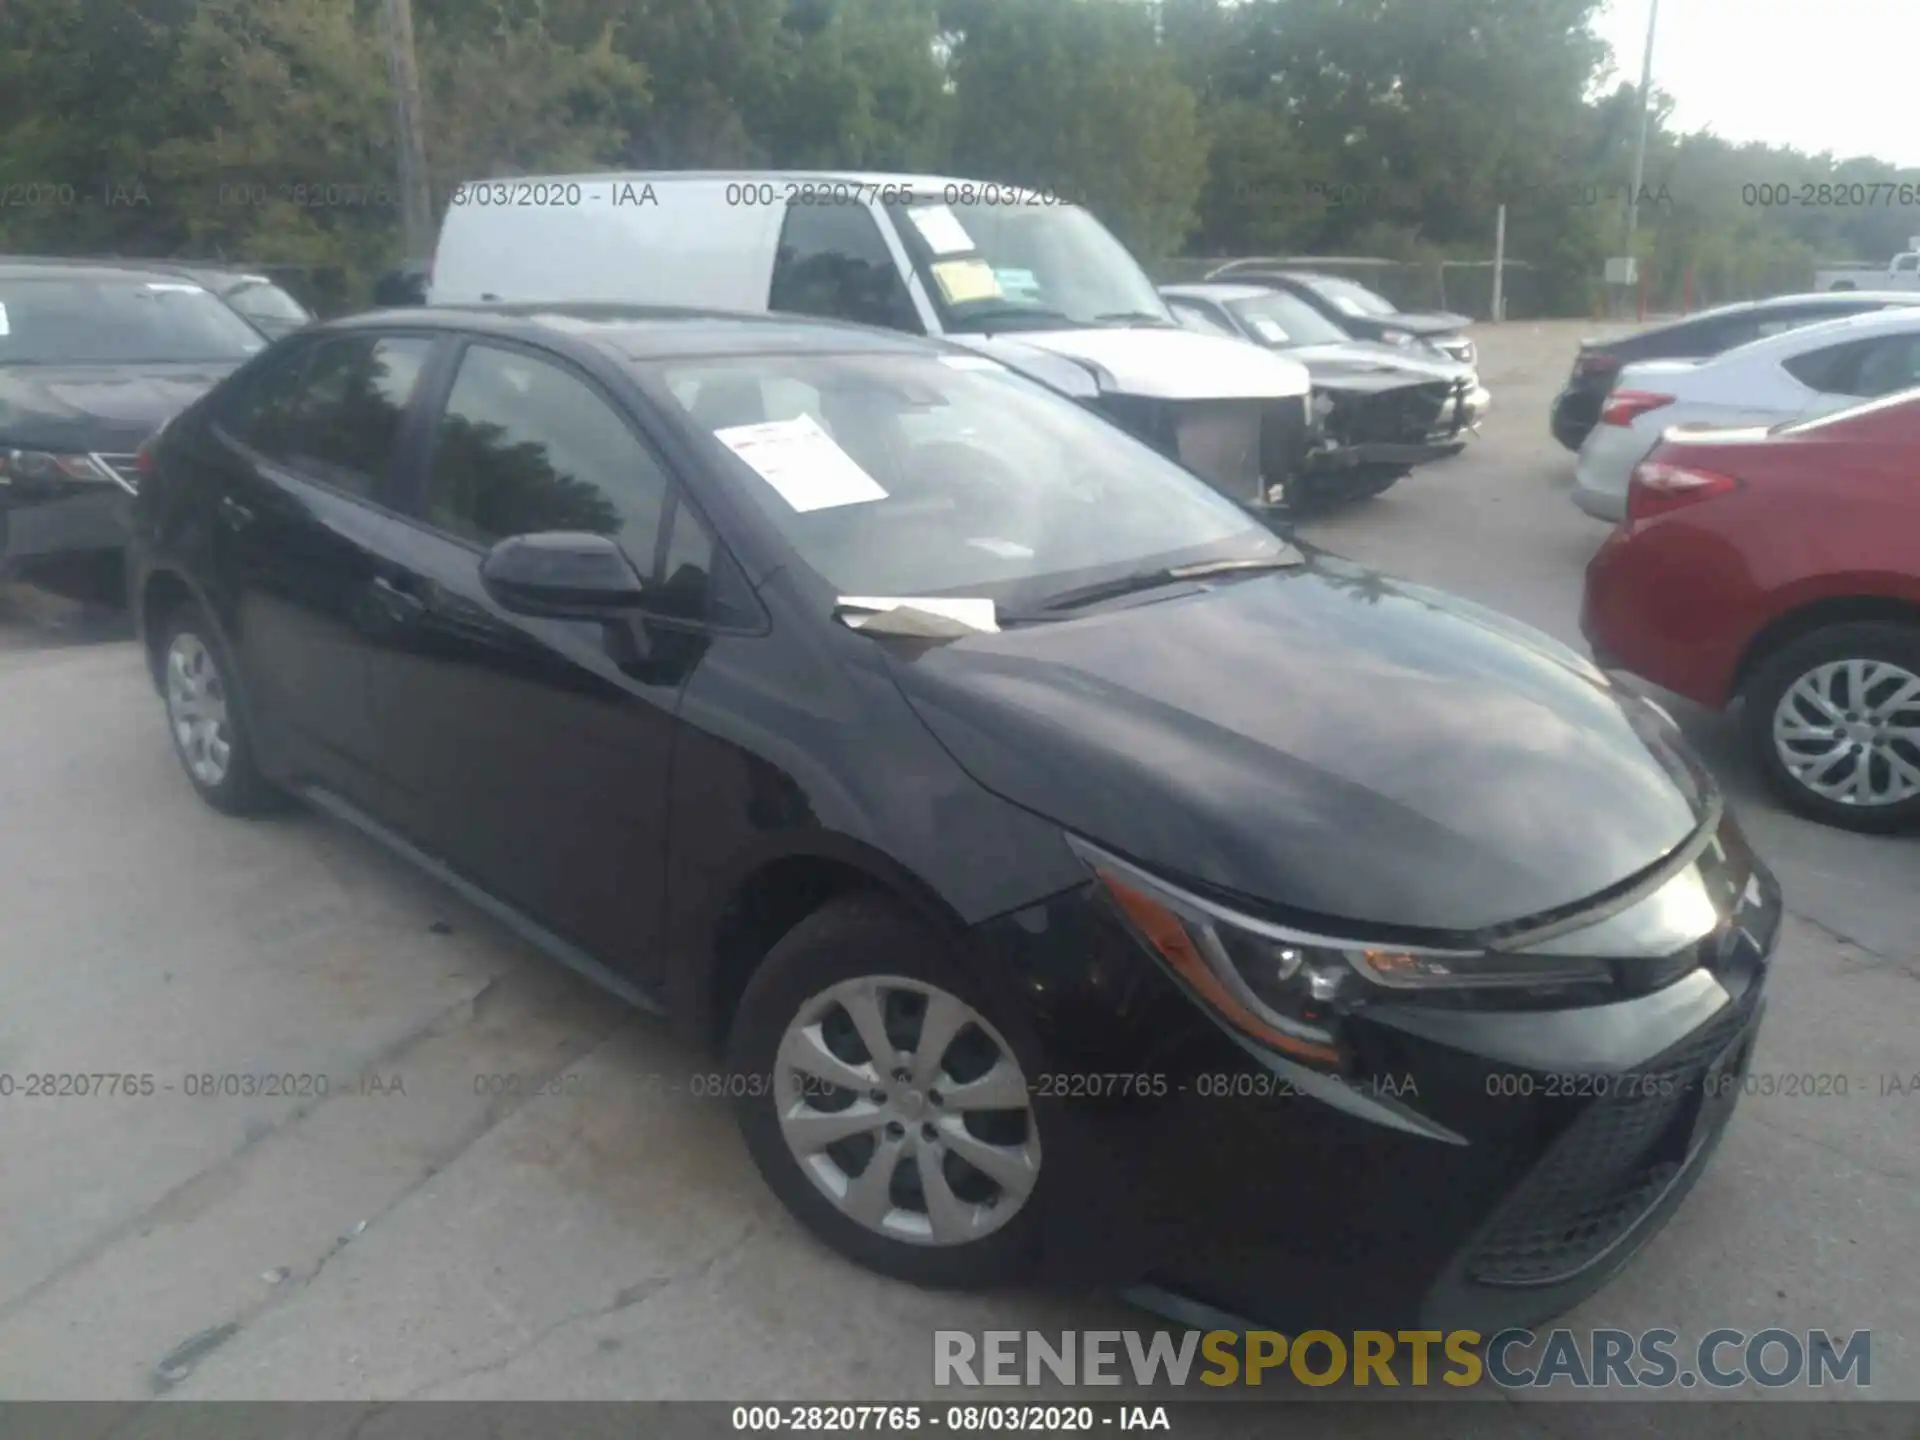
x=197 y=709
x=907 y=1110
x=1849 y=731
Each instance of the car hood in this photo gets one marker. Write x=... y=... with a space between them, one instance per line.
x=1365 y=365
x=1166 y=364
x=1422 y=322
x=1327 y=742
x=103 y=408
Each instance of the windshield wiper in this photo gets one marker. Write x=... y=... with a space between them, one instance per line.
x=990 y=313
x=1136 y=317
x=1065 y=600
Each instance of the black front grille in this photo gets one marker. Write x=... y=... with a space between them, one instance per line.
x=1610 y=1168
x=1406 y=416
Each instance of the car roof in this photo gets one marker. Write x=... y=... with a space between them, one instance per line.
x=21 y=268
x=863 y=178
x=1816 y=336
x=649 y=332
x=1218 y=290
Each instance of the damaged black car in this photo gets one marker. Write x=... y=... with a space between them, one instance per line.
x=1378 y=410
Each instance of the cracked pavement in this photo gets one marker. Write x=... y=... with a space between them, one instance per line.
x=593 y=1229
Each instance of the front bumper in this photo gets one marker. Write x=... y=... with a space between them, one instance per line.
x=70 y=542
x=1493 y=1168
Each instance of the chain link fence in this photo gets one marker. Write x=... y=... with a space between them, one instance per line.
x=1464 y=287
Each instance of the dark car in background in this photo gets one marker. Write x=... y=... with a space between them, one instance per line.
x=913 y=735
x=92 y=360
x=1598 y=363
x=255 y=298
x=1362 y=313
x=1782 y=566
x=1378 y=410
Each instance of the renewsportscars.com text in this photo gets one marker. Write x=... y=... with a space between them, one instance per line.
x=1510 y=1359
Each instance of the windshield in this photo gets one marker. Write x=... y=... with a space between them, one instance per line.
x=264 y=301
x=1281 y=320
x=74 y=320
x=906 y=475
x=1352 y=299
x=1039 y=266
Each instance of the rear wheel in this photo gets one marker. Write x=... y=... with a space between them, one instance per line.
x=885 y=1099
x=209 y=732
x=1834 y=718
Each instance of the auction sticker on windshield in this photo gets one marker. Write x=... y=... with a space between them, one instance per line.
x=964 y=280
x=1269 y=331
x=941 y=229
x=5 y=329
x=802 y=462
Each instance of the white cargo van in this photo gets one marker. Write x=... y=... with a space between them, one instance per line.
x=1037 y=283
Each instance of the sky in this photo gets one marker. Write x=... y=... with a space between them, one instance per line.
x=1840 y=75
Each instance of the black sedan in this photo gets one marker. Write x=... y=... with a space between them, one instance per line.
x=1080 y=880
x=1598 y=363
x=1363 y=313
x=92 y=360
x=1378 y=409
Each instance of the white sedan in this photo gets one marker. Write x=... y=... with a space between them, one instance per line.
x=1789 y=376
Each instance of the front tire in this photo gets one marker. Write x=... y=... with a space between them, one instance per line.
x=1834 y=720
x=885 y=1098
x=205 y=718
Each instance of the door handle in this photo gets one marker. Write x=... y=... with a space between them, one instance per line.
x=236 y=515
x=400 y=605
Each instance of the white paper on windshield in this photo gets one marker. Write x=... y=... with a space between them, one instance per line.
x=1269 y=330
x=1019 y=282
x=172 y=287
x=941 y=229
x=5 y=329
x=1345 y=305
x=1005 y=549
x=974 y=613
x=802 y=462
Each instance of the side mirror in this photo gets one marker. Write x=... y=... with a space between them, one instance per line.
x=562 y=575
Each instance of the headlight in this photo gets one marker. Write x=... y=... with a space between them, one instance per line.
x=1290 y=989
x=42 y=467
x=1396 y=337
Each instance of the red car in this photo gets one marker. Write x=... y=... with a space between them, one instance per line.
x=1782 y=567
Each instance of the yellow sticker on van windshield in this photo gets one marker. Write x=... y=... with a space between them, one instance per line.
x=964 y=280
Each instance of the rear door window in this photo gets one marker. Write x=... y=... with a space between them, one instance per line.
x=333 y=410
x=833 y=262
x=1863 y=368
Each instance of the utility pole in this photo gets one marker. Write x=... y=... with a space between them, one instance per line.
x=416 y=204
x=1640 y=147
x=1499 y=265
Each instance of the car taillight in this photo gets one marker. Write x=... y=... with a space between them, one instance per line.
x=143 y=459
x=1597 y=363
x=1624 y=407
x=1658 y=487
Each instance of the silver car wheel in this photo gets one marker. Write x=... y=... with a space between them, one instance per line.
x=1849 y=730
x=197 y=709
x=907 y=1110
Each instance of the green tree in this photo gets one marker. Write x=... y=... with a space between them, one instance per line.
x=1078 y=96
